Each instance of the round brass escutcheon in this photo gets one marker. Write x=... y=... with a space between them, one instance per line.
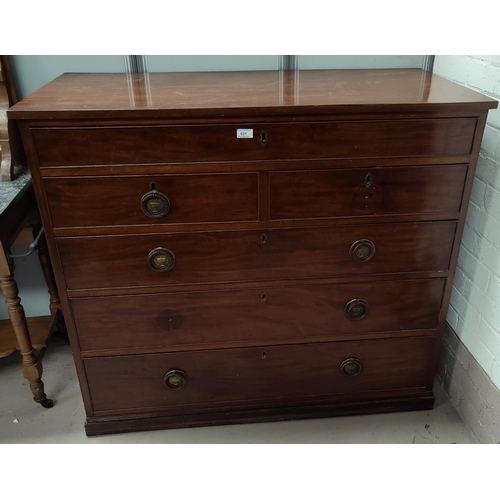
x=356 y=309
x=161 y=259
x=362 y=251
x=155 y=204
x=175 y=379
x=351 y=367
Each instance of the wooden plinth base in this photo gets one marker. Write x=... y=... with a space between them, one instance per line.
x=96 y=426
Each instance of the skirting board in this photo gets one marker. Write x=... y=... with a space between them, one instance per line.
x=470 y=389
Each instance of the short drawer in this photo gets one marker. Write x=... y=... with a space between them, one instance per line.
x=311 y=194
x=256 y=315
x=116 y=145
x=336 y=371
x=157 y=199
x=228 y=256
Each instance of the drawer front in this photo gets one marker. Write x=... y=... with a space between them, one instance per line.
x=378 y=191
x=243 y=376
x=228 y=256
x=270 y=141
x=120 y=200
x=256 y=315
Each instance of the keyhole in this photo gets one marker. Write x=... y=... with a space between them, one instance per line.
x=152 y=187
x=263 y=297
x=263 y=355
x=368 y=179
x=263 y=137
x=263 y=239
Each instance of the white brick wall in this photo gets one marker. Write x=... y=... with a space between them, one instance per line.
x=475 y=301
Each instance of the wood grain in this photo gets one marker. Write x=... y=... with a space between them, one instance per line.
x=238 y=377
x=303 y=194
x=254 y=315
x=115 y=201
x=208 y=143
x=225 y=256
x=248 y=93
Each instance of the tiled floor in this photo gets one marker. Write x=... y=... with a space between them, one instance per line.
x=23 y=421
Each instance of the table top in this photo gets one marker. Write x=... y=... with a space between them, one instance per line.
x=10 y=190
x=167 y=95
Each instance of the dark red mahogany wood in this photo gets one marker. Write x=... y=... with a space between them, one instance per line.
x=225 y=256
x=312 y=254
x=254 y=315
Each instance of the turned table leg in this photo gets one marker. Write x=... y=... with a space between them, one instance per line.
x=32 y=367
x=43 y=256
x=48 y=273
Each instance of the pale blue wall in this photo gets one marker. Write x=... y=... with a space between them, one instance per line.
x=32 y=72
x=212 y=63
x=359 y=62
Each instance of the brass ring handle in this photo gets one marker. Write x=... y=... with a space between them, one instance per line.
x=175 y=379
x=155 y=204
x=356 y=309
x=351 y=367
x=161 y=259
x=362 y=251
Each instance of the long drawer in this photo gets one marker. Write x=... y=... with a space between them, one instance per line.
x=337 y=370
x=156 y=199
x=225 y=256
x=269 y=141
x=256 y=315
x=303 y=194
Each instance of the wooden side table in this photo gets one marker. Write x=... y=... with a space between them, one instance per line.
x=18 y=209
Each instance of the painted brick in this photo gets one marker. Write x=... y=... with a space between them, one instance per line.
x=484 y=385
x=495 y=374
x=454 y=382
x=488 y=170
x=488 y=255
x=451 y=67
x=457 y=348
x=482 y=76
x=473 y=268
x=471 y=394
x=460 y=281
x=446 y=360
x=441 y=371
x=471 y=240
x=466 y=312
x=490 y=338
x=481 y=304
x=478 y=191
x=483 y=356
x=479 y=222
x=491 y=137
x=492 y=202
x=494 y=118
x=493 y=60
x=470 y=389
x=489 y=229
x=471 y=418
x=493 y=290
x=490 y=422
x=452 y=317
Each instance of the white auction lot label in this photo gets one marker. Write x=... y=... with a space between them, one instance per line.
x=244 y=133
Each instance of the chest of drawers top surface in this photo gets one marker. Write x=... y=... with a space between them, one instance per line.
x=252 y=93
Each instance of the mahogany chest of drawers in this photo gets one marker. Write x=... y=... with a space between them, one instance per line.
x=243 y=247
